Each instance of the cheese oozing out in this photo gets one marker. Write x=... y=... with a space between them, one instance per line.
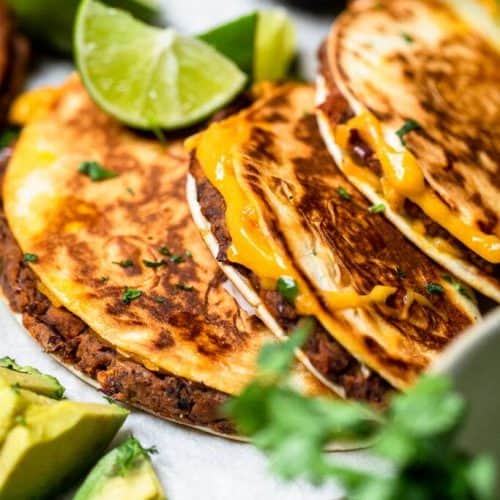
x=218 y=150
x=403 y=178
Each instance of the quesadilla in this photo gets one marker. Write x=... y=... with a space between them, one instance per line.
x=296 y=239
x=100 y=255
x=409 y=107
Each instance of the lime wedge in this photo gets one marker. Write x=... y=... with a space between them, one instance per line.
x=262 y=43
x=38 y=19
x=149 y=77
x=275 y=46
x=235 y=40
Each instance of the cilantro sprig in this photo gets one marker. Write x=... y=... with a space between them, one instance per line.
x=415 y=437
x=129 y=453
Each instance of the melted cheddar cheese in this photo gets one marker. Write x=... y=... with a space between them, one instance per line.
x=403 y=178
x=218 y=150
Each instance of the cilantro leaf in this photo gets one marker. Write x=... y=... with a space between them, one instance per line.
x=95 y=171
x=434 y=288
x=458 y=286
x=124 y=263
x=153 y=264
x=129 y=454
x=165 y=251
x=130 y=294
x=407 y=37
x=343 y=193
x=377 y=209
x=415 y=437
x=288 y=288
x=30 y=257
x=407 y=127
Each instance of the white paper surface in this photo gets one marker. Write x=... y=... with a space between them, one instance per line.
x=191 y=465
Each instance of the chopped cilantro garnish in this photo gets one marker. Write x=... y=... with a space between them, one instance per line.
x=376 y=209
x=177 y=259
x=434 y=288
x=104 y=279
x=407 y=37
x=131 y=191
x=153 y=264
x=124 y=263
x=129 y=452
x=165 y=251
x=407 y=127
x=186 y=288
x=343 y=193
x=288 y=288
x=159 y=299
x=459 y=287
x=30 y=257
x=130 y=294
x=95 y=171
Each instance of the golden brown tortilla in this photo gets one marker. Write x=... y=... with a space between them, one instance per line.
x=93 y=240
x=324 y=229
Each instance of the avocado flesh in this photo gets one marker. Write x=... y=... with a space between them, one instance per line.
x=34 y=381
x=13 y=405
x=57 y=444
x=109 y=481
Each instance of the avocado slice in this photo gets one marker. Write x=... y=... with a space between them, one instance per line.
x=30 y=378
x=125 y=473
x=13 y=404
x=54 y=446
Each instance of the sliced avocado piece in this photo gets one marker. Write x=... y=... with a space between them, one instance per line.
x=125 y=473
x=54 y=447
x=30 y=378
x=13 y=405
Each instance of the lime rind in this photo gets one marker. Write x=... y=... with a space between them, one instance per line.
x=149 y=77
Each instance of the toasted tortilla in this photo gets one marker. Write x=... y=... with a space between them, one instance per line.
x=95 y=240
x=281 y=186
x=417 y=62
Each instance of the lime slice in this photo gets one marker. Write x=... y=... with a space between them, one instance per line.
x=149 y=77
x=262 y=43
x=275 y=46
x=38 y=19
x=235 y=40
